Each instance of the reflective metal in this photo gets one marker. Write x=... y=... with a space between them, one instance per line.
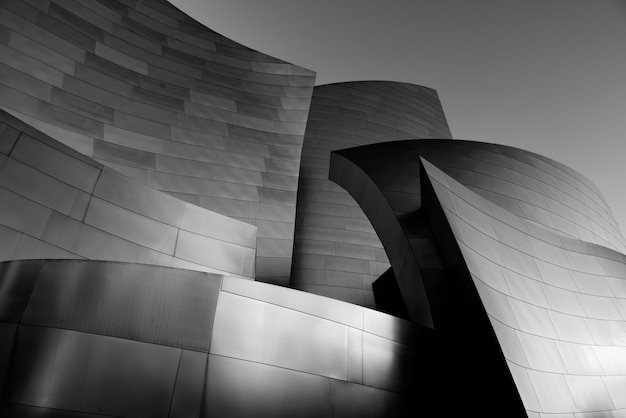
x=387 y=364
x=129 y=378
x=257 y=331
x=17 y=280
x=188 y=396
x=542 y=353
x=8 y=332
x=589 y=393
x=333 y=310
x=352 y=400
x=333 y=125
x=616 y=385
x=511 y=262
x=579 y=359
x=552 y=392
x=119 y=78
x=242 y=388
x=140 y=302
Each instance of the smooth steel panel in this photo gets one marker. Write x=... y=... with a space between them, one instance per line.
x=579 y=359
x=611 y=359
x=218 y=226
x=389 y=327
x=552 y=391
x=7 y=336
x=333 y=310
x=55 y=163
x=570 y=328
x=510 y=343
x=497 y=304
x=599 y=307
x=17 y=280
x=71 y=358
x=190 y=378
x=388 y=365
x=217 y=254
x=616 y=386
x=524 y=386
x=526 y=289
x=33 y=365
x=145 y=303
x=257 y=331
x=10 y=240
x=491 y=274
x=589 y=393
x=542 y=353
x=484 y=245
x=550 y=253
x=519 y=262
x=562 y=300
x=606 y=332
x=533 y=319
x=355 y=355
x=8 y=134
x=129 y=378
x=591 y=284
x=124 y=192
x=23 y=214
x=237 y=388
x=131 y=226
x=514 y=238
x=29 y=247
x=352 y=400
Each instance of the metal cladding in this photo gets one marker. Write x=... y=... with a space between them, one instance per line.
x=148 y=171
x=337 y=253
x=146 y=90
x=58 y=203
x=103 y=339
x=514 y=269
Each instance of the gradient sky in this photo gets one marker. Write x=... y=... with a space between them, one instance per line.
x=548 y=76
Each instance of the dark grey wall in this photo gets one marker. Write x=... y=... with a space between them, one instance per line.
x=147 y=91
x=337 y=253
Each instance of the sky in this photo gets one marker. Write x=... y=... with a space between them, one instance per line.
x=548 y=76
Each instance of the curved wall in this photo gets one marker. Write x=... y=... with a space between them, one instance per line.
x=57 y=203
x=337 y=253
x=531 y=186
x=146 y=90
x=103 y=339
x=554 y=305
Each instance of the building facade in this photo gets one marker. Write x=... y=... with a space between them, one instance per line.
x=190 y=228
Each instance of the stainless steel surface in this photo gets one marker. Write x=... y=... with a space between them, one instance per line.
x=146 y=90
x=140 y=137
x=239 y=388
x=257 y=331
x=132 y=301
x=551 y=290
x=567 y=321
x=330 y=226
x=58 y=203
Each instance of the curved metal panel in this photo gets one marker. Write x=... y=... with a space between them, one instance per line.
x=147 y=90
x=133 y=301
x=237 y=388
x=58 y=203
x=133 y=340
x=337 y=253
x=540 y=295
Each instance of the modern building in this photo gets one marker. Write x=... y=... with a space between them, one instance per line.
x=191 y=228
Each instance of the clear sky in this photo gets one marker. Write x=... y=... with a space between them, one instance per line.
x=548 y=76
